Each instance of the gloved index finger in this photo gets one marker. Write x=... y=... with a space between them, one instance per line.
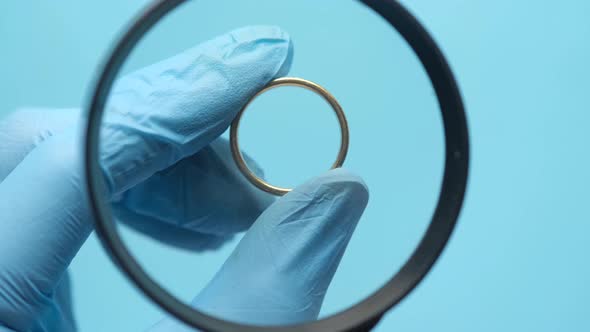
x=170 y=110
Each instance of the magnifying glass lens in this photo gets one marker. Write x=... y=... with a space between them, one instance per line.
x=183 y=217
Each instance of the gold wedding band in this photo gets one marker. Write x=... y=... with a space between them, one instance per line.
x=297 y=82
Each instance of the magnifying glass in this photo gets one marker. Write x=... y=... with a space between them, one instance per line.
x=365 y=314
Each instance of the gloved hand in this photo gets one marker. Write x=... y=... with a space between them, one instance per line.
x=171 y=176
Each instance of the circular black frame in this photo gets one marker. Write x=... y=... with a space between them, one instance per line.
x=364 y=315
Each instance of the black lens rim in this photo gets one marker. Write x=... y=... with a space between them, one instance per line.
x=368 y=311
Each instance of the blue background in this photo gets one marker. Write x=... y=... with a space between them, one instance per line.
x=518 y=258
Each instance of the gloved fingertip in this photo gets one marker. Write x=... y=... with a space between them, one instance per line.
x=288 y=258
x=315 y=221
x=335 y=197
x=257 y=36
x=337 y=181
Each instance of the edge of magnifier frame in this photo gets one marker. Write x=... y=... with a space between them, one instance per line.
x=364 y=315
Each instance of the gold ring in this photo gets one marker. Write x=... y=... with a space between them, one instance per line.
x=287 y=81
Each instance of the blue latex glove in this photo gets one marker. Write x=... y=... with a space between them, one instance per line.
x=164 y=163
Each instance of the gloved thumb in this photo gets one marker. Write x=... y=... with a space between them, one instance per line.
x=171 y=110
x=280 y=271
